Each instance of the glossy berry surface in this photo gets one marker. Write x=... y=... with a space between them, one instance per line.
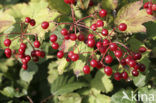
x=108 y=59
x=86 y=69
x=7 y=42
x=23 y=46
x=108 y=70
x=64 y=31
x=74 y=57
x=93 y=63
x=73 y=37
x=81 y=37
x=124 y=75
x=118 y=53
x=104 y=32
x=60 y=54
x=117 y=76
x=122 y=27
x=27 y=19
x=113 y=46
x=142 y=49
x=55 y=45
x=91 y=36
x=102 y=13
x=135 y=73
x=37 y=44
x=45 y=25
x=105 y=42
x=32 y=22
x=93 y=27
x=53 y=38
x=24 y=66
x=149 y=11
x=99 y=23
x=91 y=43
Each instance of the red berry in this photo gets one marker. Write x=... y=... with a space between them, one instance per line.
x=105 y=42
x=108 y=70
x=99 y=23
x=70 y=54
x=93 y=27
x=55 y=45
x=137 y=56
x=93 y=63
x=118 y=53
x=32 y=22
x=38 y=53
x=123 y=62
x=35 y=58
x=45 y=25
x=37 y=44
x=69 y=1
x=28 y=58
x=21 y=51
x=23 y=46
x=98 y=44
x=7 y=42
x=81 y=37
x=108 y=59
x=67 y=37
x=74 y=57
x=146 y=5
x=102 y=13
x=90 y=36
x=132 y=63
x=142 y=49
x=149 y=11
x=73 y=37
x=27 y=19
x=60 y=54
x=91 y=43
x=124 y=75
x=53 y=38
x=104 y=32
x=86 y=69
x=128 y=59
x=99 y=66
x=102 y=49
x=42 y=54
x=24 y=66
x=154 y=7
x=113 y=46
x=21 y=56
x=122 y=27
x=8 y=52
x=68 y=59
x=142 y=67
x=137 y=66
x=135 y=73
x=33 y=53
x=64 y=31
x=117 y=76
x=24 y=61
x=91 y=3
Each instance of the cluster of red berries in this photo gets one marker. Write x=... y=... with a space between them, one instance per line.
x=69 y=1
x=150 y=7
x=32 y=22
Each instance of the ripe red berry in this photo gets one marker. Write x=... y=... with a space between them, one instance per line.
x=37 y=44
x=27 y=19
x=33 y=53
x=68 y=59
x=28 y=58
x=102 y=49
x=105 y=42
x=146 y=5
x=60 y=54
x=42 y=54
x=45 y=25
x=24 y=61
x=55 y=45
x=108 y=70
x=7 y=42
x=32 y=22
x=74 y=57
x=21 y=51
x=91 y=43
x=154 y=7
x=91 y=3
x=21 y=56
x=118 y=53
x=24 y=66
x=137 y=56
x=123 y=62
x=132 y=63
x=122 y=27
x=99 y=66
x=86 y=69
x=142 y=67
x=108 y=59
x=128 y=59
x=135 y=73
x=99 y=23
x=149 y=11
x=69 y=1
x=90 y=36
x=102 y=13
x=70 y=54
x=137 y=66
x=98 y=44
x=53 y=38
x=66 y=37
x=64 y=31
x=38 y=53
x=113 y=46
x=124 y=75
x=93 y=63
x=81 y=37
x=8 y=52
x=73 y=37
x=142 y=49
x=23 y=46
x=93 y=27
x=117 y=76
x=104 y=32
x=35 y=58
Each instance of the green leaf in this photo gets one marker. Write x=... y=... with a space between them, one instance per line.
x=62 y=64
x=8 y=91
x=109 y=4
x=70 y=98
x=140 y=81
x=83 y=4
x=65 y=84
x=134 y=17
x=60 y=6
x=137 y=45
x=102 y=82
x=5 y=64
x=99 y=98
x=27 y=75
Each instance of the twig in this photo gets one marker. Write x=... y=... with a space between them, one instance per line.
x=30 y=100
x=44 y=100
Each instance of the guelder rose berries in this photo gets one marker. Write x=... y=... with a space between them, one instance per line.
x=102 y=13
x=45 y=25
x=150 y=7
x=69 y=1
x=7 y=42
x=122 y=27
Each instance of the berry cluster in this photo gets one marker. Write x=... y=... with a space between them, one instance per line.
x=35 y=54
x=150 y=7
x=104 y=46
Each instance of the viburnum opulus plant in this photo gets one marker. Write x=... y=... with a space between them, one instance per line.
x=104 y=48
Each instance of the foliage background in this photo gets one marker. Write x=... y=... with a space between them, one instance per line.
x=56 y=79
